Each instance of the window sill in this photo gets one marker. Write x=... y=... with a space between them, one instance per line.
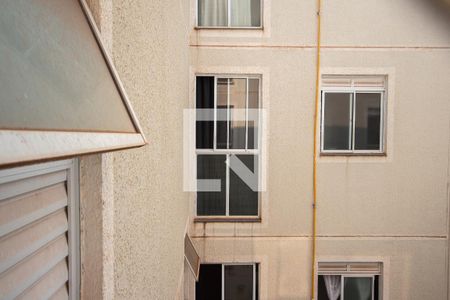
x=228 y=219
x=227 y=28
x=353 y=154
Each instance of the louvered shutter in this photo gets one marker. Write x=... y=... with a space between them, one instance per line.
x=342 y=81
x=34 y=231
x=373 y=268
x=192 y=257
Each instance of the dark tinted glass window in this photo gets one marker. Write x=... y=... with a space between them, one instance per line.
x=357 y=288
x=322 y=293
x=205 y=100
x=367 y=121
x=238 y=282
x=253 y=114
x=211 y=167
x=237 y=113
x=243 y=200
x=222 y=113
x=376 y=288
x=337 y=126
x=209 y=285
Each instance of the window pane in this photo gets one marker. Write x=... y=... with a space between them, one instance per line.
x=376 y=287
x=329 y=287
x=211 y=167
x=205 y=100
x=357 y=288
x=245 y=13
x=238 y=97
x=368 y=121
x=212 y=12
x=209 y=284
x=321 y=289
x=239 y=282
x=52 y=72
x=222 y=112
x=243 y=200
x=337 y=113
x=253 y=113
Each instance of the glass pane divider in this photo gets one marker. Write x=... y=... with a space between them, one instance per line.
x=382 y=130
x=223 y=281
x=254 y=282
x=229 y=13
x=228 y=112
x=353 y=120
x=215 y=114
x=227 y=186
x=246 y=115
x=322 y=113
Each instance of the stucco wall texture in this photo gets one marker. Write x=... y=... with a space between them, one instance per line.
x=139 y=209
x=150 y=50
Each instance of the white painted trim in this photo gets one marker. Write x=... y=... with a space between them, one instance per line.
x=225 y=151
x=21 y=146
x=73 y=209
x=111 y=67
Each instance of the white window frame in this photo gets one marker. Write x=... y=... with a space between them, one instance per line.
x=229 y=18
x=343 y=276
x=355 y=276
x=25 y=146
x=348 y=273
x=229 y=152
x=354 y=91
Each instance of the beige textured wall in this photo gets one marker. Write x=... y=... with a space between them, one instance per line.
x=394 y=208
x=91 y=233
x=150 y=50
x=134 y=212
x=96 y=197
x=414 y=269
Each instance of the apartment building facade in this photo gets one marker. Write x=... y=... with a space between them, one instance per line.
x=382 y=143
x=382 y=175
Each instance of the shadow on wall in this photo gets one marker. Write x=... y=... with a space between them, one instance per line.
x=440 y=7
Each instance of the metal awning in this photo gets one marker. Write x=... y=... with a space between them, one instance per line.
x=60 y=95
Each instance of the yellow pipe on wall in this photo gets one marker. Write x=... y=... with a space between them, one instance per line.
x=316 y=111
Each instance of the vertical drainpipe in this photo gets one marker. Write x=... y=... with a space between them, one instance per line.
x=316 y=111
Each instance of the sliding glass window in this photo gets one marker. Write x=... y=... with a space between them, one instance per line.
x=352 y=121
x=229 y=13
x=228 y=282
x=228 y=145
